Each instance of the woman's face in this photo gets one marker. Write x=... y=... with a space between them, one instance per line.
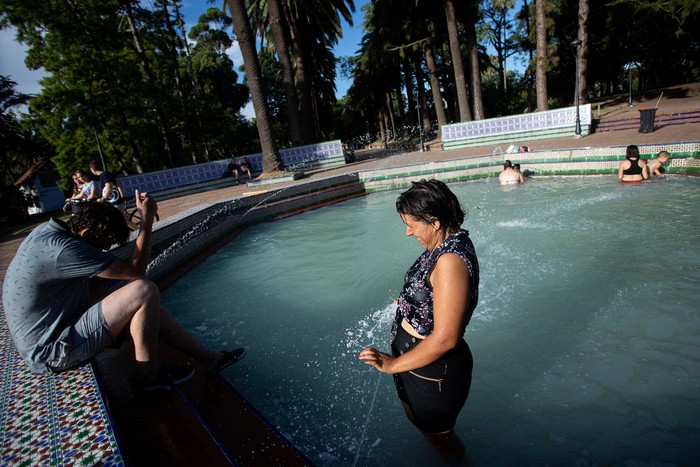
x=427 y=235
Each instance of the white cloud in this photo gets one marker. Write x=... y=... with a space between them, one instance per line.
x=12 y=56
x=234 y=53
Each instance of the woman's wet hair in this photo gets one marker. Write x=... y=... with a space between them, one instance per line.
x=106 y=223
x=430 y=201
x=632 y=152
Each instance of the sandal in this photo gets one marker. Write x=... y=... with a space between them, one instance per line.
x=227 y=360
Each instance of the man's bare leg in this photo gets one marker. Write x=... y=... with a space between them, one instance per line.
x=137 y=305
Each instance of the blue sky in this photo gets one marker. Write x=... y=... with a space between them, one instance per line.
x=12 y=54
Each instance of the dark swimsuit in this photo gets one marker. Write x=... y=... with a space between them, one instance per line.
x=634 y=169
x=436 y=392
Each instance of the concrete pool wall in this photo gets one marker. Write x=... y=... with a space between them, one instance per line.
x=186 y=235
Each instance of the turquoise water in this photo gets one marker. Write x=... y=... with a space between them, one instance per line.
x=586 y=339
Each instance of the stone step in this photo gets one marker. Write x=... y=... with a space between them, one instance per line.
x=662 y=119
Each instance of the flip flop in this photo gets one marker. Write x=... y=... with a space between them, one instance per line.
x=227 y=360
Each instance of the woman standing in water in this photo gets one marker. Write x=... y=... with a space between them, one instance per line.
x=430 y=361
x=632 y=169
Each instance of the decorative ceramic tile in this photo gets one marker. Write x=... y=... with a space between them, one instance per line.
x=536 y=121
x=171 y=178
x=53 y=419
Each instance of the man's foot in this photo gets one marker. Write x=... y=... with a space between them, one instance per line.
x=228 y=359
x=167 y=377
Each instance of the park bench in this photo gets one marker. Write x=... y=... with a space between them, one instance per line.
x=514 y=128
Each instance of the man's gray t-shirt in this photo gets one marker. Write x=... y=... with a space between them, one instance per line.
x=46 y=289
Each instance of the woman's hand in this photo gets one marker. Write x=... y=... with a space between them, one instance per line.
x=379 y=360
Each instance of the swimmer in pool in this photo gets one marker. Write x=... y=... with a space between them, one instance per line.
x=632 y=169
x=656 y=166
x=510 y=175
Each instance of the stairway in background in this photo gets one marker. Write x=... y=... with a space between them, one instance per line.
x=662 y=119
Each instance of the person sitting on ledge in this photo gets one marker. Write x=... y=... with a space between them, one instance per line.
x=656 y=166
x=57 y=326
x=510 y=175
x=632 y=169
x=246 y=167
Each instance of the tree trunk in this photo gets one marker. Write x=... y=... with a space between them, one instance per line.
x=473 y=57
x=582 y=57
x=435 y=85
x=271 y=160
x=390 y=113
x=172 y=35
x=465 y=114
x=528 y=72
x=179 y=20
x=279 y=36
x=420 y=83
x=541 y=76
x=303 y=81
x=400 y=104
x=410 y=94
x=160 y=113
x=447 y=79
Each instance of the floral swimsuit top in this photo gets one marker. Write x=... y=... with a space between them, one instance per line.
x=415 y=302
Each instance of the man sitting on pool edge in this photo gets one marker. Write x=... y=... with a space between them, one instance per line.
x=56 y=325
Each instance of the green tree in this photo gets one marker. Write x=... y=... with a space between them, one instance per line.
x=271 y=160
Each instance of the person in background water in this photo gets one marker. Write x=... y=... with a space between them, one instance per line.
x=516 y=167
x=55 y=323
x=431 y=362
x=509 y=175
x=656 y=166
x=632 y=169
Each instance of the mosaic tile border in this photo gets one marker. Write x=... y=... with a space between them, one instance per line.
x=57 y=419
x=584 y=161
x=547 y=124
x=321 y=154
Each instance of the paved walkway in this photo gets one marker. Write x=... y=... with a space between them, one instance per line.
x=675 y=99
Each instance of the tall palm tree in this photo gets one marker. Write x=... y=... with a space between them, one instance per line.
x=541 y=73
x=268 y=19
x=315 y=28
x=272 y=161
x=582 y=56
x=460 y=80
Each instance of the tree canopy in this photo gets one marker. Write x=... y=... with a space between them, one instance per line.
x=156 y=96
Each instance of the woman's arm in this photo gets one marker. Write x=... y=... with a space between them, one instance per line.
x=621 y=170
x=450 y=280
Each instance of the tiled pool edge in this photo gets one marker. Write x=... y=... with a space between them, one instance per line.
x=577 y=162
x=188 y=233
x=52 y=419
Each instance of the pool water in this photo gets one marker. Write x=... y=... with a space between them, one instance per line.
x=586 y=339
